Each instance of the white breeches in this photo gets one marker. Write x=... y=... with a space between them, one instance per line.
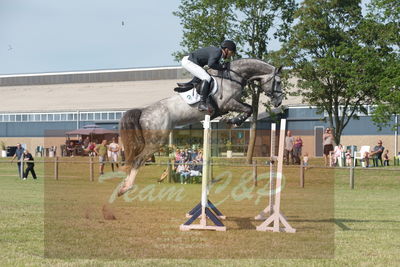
x=194 y=69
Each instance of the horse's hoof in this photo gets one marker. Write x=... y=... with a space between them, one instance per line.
x=123 y=190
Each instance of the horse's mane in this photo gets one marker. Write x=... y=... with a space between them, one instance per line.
x=253 y=61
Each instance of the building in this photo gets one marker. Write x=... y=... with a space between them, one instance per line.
x=37 y=110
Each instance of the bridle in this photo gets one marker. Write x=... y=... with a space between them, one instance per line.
x=244 y=81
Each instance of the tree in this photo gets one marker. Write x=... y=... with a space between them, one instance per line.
x=338 y=70
x=251 y=23
x=384 y=15
x=258 y=19
x=205 y=23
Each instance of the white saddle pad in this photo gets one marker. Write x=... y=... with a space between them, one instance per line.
x=192 y=97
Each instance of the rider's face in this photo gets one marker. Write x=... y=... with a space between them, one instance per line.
x=230 y=53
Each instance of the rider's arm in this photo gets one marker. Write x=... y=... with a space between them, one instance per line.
x=214 y=60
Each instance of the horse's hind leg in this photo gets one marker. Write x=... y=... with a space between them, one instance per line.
x=139 y=162
x=129 y=180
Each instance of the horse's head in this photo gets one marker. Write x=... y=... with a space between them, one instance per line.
x=271 y=85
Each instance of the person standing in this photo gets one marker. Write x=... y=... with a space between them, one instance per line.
x=101 y=151
x=327 y=141
x=289 y=144
x=30 y=165
x=19 y=154
x=113 y=151
x=297 y=149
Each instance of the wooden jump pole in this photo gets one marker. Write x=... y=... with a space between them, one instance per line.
x=91 y=169
x=268 y=210
x=205 y=209
x=56 y=168
x=351 y=177
x=301 y=174
x=277 y=218
x=255 y=172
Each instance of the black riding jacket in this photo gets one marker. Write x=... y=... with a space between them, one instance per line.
x=210 y=56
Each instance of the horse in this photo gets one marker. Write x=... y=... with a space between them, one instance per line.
x=144 y=131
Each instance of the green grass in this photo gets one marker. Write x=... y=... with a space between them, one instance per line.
x=48 y=222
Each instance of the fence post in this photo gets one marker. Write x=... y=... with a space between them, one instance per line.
x=21 y=167
x=91 y=169
x=301 y=174
x=56 y=168
x=351 y=177
x=255 y=172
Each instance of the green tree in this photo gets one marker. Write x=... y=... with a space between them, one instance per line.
x=383 y=33
x=205 y=23
x=251 y=23
x=337 y=69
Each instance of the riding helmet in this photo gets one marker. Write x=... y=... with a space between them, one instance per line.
x=229 y=44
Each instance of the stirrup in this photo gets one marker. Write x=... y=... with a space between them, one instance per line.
x=203 y=106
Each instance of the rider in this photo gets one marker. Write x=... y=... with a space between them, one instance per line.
x=210 y=56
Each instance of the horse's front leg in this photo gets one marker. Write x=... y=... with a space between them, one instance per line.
x=245 y=110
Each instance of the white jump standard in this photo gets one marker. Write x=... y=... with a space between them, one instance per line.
x=276 y=218
x=205 y=209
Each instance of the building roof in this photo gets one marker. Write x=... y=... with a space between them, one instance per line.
x=93 y=90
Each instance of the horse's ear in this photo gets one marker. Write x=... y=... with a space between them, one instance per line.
x=279 y=70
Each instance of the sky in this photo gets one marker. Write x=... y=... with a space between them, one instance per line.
x=70 y=35
x=38 y=36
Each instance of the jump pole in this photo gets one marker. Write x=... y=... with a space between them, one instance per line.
x=262 y=216
x=272 y=223
x=205 y=209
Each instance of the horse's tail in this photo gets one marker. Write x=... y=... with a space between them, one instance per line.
x=131 y=136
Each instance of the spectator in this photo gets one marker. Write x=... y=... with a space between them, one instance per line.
x=348 y=158
x=30 y=165
x=297 y=147
x=86 y=142
x=305 y=159
x=366 y=158
x=71 y=149
x=337 y=154
x=113 y=151
x=90 y=149
x=183 y=171
x=377 y=154
x=289 y=143
x=386 y=158
x=327 y=141
x=198 y=162
x=101 y=151
x=19 y=154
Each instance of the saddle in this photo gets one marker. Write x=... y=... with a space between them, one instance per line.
x=194 y=83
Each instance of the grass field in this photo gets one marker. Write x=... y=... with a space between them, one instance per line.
x=49 y=223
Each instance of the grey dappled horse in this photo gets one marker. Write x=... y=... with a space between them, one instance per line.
x=143 y=131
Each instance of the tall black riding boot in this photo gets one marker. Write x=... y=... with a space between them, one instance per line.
x=205 y=90
x=190 y=84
